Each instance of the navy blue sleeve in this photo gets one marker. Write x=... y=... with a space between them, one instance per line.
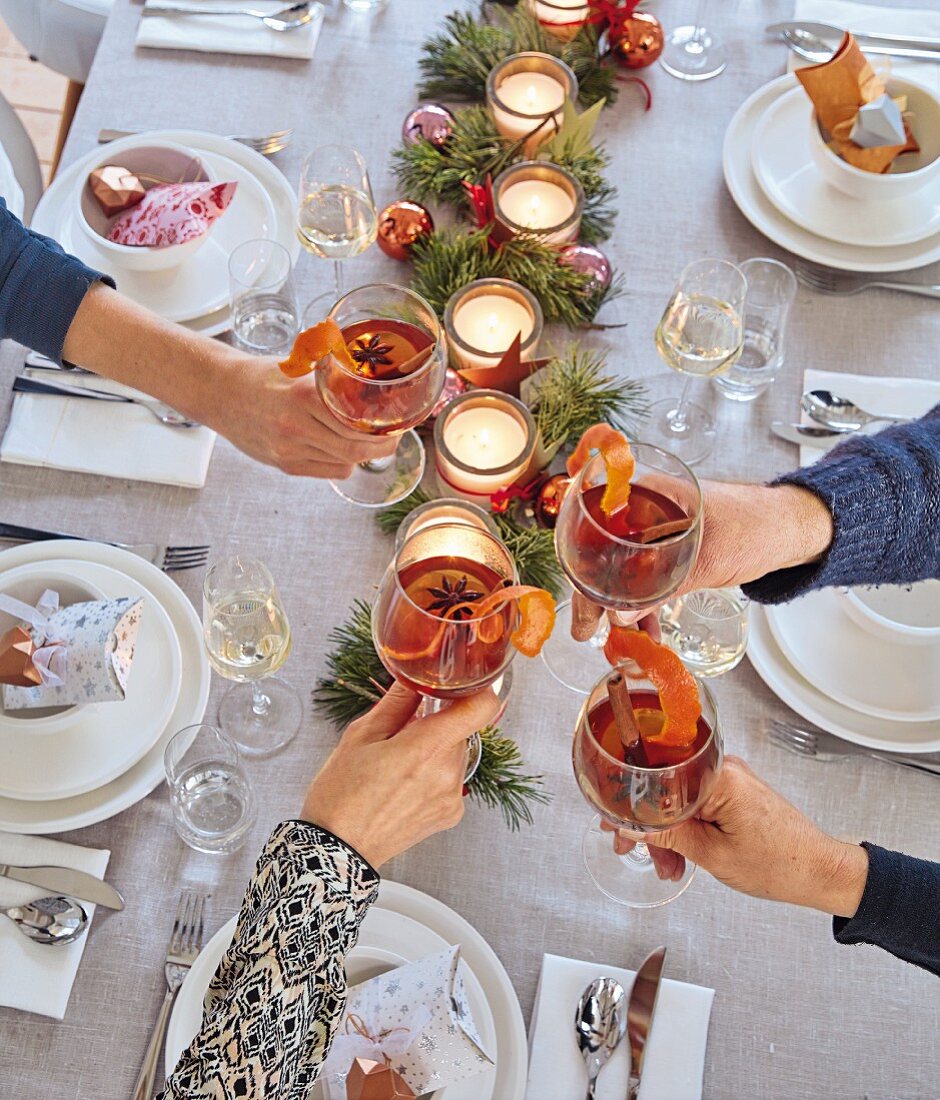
x=884 y=495
x=900 y=909
x=41 y=287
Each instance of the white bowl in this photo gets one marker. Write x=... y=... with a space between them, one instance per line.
x=162 y=160
x=909 y=614
x=909 y=173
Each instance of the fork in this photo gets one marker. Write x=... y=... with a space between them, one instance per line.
x=844 y=284
x=266 y=144
x=167 y=558
x=163 y=412
x=827 y=748
x=185 y=945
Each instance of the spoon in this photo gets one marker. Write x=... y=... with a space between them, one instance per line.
x=287 y=18
x=49 y=920
x=838 y=413
x=820 y=44
x=600 y=1021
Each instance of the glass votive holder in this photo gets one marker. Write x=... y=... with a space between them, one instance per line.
x=540 y=199
x=526 y=95
x=265 y=314
x=561 y=18
x=483 y=442
x=484 y=317
x=443 y=510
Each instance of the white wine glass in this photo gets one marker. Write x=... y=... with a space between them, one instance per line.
x=336 y=215
x=248 y=639
x=700 y=335
x=694 y=52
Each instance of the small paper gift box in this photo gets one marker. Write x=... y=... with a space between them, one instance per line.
x=115 y=188
x=878 y=123
x=417 y=1020
x=370 y=1080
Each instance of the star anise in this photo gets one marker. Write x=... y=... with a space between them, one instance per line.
x=449 y=596
x=374 y=353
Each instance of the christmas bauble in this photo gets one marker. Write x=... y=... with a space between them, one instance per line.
x=637 y=42
x=401 y=223
x=589 y=261
x=427 y=122
x=548 y=501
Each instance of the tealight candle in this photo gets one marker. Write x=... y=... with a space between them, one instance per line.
x=483 y=318
x=538 y=198
x=444 y=510
x=561 y=18
x=526 y=94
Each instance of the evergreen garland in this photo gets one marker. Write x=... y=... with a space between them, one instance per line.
x=501 y=780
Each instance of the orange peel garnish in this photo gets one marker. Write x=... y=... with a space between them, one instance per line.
x=314 y=344
x=678 y=691
x=618 y=458
x=536 y=616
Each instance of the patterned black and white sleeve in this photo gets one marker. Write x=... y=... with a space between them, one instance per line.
x=280 y=989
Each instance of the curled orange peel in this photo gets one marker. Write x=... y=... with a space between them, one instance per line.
x=618 y=459
x=536 y=616
x=314 y=344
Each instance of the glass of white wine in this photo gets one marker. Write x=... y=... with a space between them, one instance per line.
x=248 y=638
x=700 y=335
x=336 y=215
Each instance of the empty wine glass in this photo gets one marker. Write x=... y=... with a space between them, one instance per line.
x=694 y=52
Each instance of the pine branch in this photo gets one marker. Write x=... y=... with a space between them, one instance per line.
x=357 y=678
x=390 y=518
x=501 y=780
x=600 y=211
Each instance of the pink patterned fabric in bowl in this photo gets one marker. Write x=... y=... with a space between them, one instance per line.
x=172 y=214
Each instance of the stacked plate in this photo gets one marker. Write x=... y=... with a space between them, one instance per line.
x=195 y=293
x=772 y=176
x=403 y=926
x=80 y=765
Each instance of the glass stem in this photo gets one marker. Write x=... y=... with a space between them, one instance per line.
x=260 y=703
x=378 y=465
x=429 y=705
x=677 y=422
x=699 y=31
x=338 y=278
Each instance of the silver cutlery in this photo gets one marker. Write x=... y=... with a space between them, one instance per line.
x=817 y=42
x=185 y=945
x=600 y=1021
x=266 y=144
x=805 y=435
x=827 y=748
x=844 y=284
x=640 y=1011
x=287 y=18
x=49 y=920
x=839 y=414
x=163 y=412
x=168 y=558
x=66 y=880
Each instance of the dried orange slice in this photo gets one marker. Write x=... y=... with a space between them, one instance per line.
x=536 y=615
x=618 y=458
x=314 y=344
x=678 y=691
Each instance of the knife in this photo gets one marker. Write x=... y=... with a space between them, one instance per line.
x=911 y=45
x=805 y=436
x=640 y=1009
x=66 y=880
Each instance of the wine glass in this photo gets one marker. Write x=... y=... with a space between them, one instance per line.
x=611 y=561
x=248 y=639
x=700 y=335
x=397 y=345
x=336 y=215
x=694 y=53
x=640 y=786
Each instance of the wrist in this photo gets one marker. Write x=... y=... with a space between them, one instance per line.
x=351 y=835
x=800 y=522
x=839 y=873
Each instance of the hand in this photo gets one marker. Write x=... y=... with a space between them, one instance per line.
x=393 y=781
x=753 y=840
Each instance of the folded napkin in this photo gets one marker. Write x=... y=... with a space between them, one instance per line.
x=10 y=189
x=231 y=33
x=33 y=977
x=898 y=396
x=675 y=1057
x=103 y=437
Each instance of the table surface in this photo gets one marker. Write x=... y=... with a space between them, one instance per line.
x=795 y=1015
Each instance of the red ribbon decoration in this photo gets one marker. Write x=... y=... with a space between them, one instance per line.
x=481 y=199
x=500 y=500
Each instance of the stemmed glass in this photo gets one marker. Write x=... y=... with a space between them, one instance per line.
x=610 y=561
x=700 y=335
x=336 y=215
x=694 y=53
x=248 y=639
x=400 y=355
x=644 y=787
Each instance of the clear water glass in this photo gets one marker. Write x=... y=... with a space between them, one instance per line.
x=708 y=629
x=265 y=314
x=213 y=804
x=365 y=5
x=771 y=292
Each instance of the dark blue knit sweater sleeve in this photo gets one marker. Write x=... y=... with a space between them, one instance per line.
x=900 y=909
x=884 y=495
x=41 y=287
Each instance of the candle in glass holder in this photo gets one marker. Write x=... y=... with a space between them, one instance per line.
x=444 y=510
x=483 y=442
x=526 y=94
x=561 y=18
x=483 y=318
x=538 y=198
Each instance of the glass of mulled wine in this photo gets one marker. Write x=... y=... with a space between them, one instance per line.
x=398 y=350
x=629 y=561
x=642 y=786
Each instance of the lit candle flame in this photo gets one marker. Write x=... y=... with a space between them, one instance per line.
x=494 y=322
x=531 y=95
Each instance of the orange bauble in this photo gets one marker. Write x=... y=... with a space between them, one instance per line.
x=638 y=42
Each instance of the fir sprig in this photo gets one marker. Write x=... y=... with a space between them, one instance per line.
x=501 y=780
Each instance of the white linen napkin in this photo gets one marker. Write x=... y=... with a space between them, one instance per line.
x=10 y=189
x=33 y=977
x=231 y=33
x=671 y=1070
x=896 y=396
x=103 y=437
x=878 y=20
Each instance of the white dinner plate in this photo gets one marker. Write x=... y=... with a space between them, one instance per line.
x=783 y=163
x=765 y=217
x=810 y=703
x=386 y=940
x=105 y=740
x=63 y=814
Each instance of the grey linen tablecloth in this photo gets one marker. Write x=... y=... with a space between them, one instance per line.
x=796 y=1015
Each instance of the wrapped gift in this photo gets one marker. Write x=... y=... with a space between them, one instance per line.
x=115 y=188
x=172 y=213
x=371 y=1080
x=77 y=654
x=879 y=123
x=415 y=1019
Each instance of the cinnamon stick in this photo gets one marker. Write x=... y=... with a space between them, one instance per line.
x=622 y=706
x=415 y=362
x=664 y=530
